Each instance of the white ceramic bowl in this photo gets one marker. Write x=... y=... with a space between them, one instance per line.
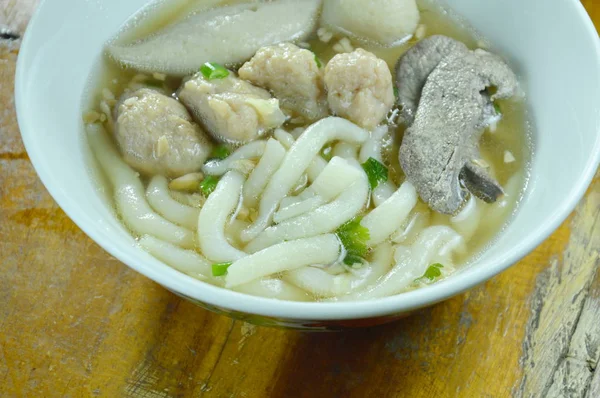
x=552 y=44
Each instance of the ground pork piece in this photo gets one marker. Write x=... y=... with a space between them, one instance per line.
x=156 y=135
x=293 y=75
x=359 y=87
x=231 y=109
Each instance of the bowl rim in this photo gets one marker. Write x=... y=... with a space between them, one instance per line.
x=233 y=301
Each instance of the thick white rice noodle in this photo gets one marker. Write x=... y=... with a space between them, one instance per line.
x=372 y=149
x=335 y=269
x=187 y=261
x=299 y=185
x=345 y=150
x=297 y=132
x=433 y=244
x=321 y=283
x=296 y=208
x=290 y=200
x=315 y=167
x=273 y=288
x=413 y=225
x=339 y=174
x=297 y=160
x=260 y=176
x=129 y=194
x=189 y=199
x=335 y=178
x=324 y=249
x=213 y=217
x=324 y=219
x=218 y=167
x=373 y=146
x=383 y=221
x=233 y=230
x=468 y=219
x=382 y=192
x=161 y=201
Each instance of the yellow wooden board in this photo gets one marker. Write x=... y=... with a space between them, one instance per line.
x=76 y=322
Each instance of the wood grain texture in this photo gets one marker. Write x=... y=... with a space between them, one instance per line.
x=594 y=390
x=75 y=322
x=563 y=334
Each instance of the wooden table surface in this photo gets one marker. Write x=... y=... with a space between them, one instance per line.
x=76 y=322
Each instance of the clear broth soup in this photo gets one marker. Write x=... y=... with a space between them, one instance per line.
x=506 y=149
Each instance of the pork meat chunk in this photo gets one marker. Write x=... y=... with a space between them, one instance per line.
x=225 y=34
x=440 y=150
x=359 y=87
x=415 y=66
x=293 y=76
x=156 y=135
x=231 y=109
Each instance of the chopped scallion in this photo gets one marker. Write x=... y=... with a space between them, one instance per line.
x=376 y=172
x=208 y=185
x=220 y=152
x=212 y=71
x=354 y=237
x=327 y=153
x=432 y=272
x=396 y=92
x=154 y=83
x=220 y=269
x=352 y=259
x=497 y=108
x=318 y=61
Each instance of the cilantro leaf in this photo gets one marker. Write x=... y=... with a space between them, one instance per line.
x=376 y=172
x=431 y=273
x=352 y=259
